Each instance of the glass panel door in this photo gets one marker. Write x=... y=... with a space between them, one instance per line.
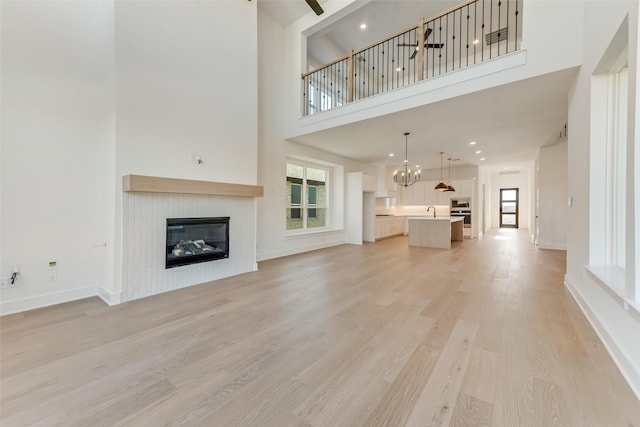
x=509 y=207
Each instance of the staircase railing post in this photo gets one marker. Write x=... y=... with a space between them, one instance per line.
x=421 y=49
x=352 y=78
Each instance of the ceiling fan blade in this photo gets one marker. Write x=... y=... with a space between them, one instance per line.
x=313 y=4
x=406 y=45
x=427 y=33
x=413 y=55
x=434 y=45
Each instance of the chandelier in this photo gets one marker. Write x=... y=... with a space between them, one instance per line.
x=404 y=176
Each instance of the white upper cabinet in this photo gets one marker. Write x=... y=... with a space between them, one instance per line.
x=368 y=183
x=385 y=187
x=414 y=194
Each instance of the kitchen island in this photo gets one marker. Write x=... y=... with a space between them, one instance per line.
x=435 y=232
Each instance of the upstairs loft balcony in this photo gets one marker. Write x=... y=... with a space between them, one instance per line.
x=468 y=34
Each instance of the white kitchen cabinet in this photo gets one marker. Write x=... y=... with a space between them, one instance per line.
x=433 y=197
x=430 y=194
x=414 y=195
x=388 y=226
x=464 y=188
x=419 y=193
x=368 y=183
x=385 y=187
x=406 y=196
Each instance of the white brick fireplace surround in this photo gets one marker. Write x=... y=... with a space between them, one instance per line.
x=146 y=208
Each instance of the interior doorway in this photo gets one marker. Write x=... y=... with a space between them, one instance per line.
x=509 y=208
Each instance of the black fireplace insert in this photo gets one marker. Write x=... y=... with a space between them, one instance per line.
x=195 y=240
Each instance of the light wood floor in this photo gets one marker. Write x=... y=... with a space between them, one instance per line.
x=484 y=334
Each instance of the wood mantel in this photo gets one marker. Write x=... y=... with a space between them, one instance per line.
x=154 y=184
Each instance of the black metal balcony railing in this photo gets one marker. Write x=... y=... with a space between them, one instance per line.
x=468 y=34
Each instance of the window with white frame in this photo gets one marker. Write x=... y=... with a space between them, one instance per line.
x=617 y=166
x=307 y=196
x=609 y=174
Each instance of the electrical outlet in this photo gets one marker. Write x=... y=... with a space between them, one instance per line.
x=52 y=275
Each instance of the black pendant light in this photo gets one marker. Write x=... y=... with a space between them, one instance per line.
x=449 y=186
x=441 y=185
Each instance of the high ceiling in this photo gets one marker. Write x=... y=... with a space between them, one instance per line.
x=382 y=18
x=509 y=123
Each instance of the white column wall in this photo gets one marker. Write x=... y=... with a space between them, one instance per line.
x=274 y=55
x=618 y=328
x=57 y=149
x=186 y=84
x=71 y=128
x=552 y=187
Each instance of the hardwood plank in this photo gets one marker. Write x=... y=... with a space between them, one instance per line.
x=401 y=395
x=437 y=400
x=481 y=375
x=471 y=412
x=367 y=335
x=550 y=404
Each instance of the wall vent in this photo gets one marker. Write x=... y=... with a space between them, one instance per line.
x=496 y=36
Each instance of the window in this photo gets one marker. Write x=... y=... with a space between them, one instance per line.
x=508 y=208
x=609 y=238
x=296 y=200
x=312 y=201
x=617 y=167
x=306 y=196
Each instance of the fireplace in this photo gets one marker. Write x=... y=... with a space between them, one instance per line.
x=195 y=240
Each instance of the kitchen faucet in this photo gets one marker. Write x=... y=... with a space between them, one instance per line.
x=434 y=210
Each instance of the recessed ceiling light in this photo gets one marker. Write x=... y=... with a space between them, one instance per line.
x=399 y=69
x=473 y=143
x=506 y=168
x=363 y=26
x=390 y=154
x=417 y=166
x=479 y=151
x=476 y=41
x=482 y=158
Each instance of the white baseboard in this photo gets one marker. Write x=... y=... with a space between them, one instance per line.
x=553 y=246
x=287 y=252
x=108 y=297
x=624 y=364
x=31 y=303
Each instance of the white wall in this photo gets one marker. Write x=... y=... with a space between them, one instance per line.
x=519 y=180
x=552 y=190
x=618 y=328
x=71 y=128
x=57 y=148
x=186 y=84
x=274 y=149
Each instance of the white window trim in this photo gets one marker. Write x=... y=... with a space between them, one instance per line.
x=328 y=212
x=614 y=274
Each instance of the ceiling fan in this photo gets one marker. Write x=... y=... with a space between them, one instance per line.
x=313 y=4
x=426 y=45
